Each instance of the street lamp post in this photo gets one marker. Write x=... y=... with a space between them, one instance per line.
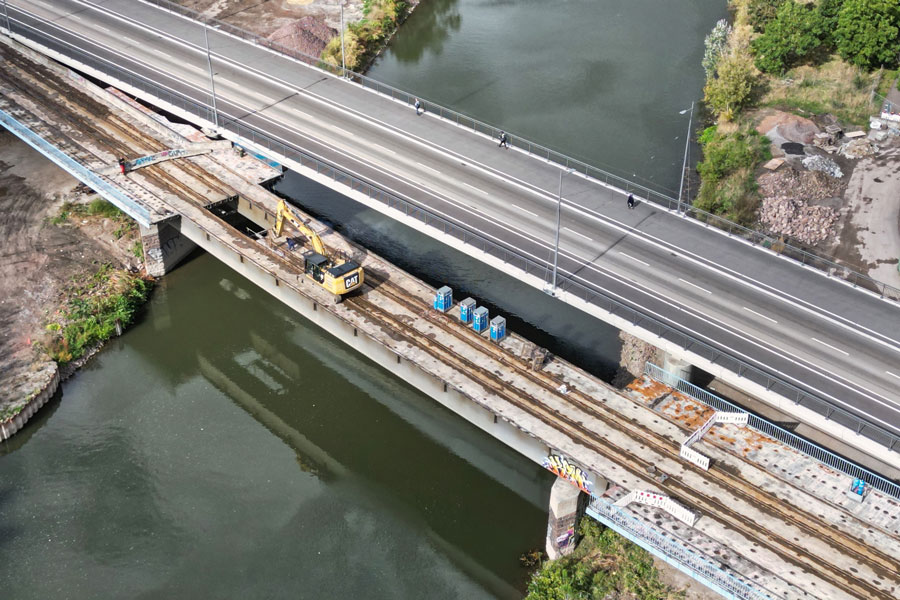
x=552 y=290
x=6 y=14
x=687 y=143
x=212 y=83
x=343 y=60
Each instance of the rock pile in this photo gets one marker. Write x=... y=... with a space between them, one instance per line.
x=823 y=164
x=308 y=35
x=786 y=209
x=858 y=148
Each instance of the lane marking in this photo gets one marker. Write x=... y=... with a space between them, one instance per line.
x=300 y=112
x=524 y=210
x=76 y=17
x=475 y=188
x=579 y=234
x=161 y=53
x=102 y=28
x=634 y=259
x=694 y=285
x=344 y=131
x=750 y=310
x=131 y=40
x=830 y=346
x=380 y=147
x=429 y=168
x=196 y=68
x=893 y=374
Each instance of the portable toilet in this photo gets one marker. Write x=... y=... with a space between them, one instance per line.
x=498 y=328
x=466 y=308
x=443 y=299
x=480 y=322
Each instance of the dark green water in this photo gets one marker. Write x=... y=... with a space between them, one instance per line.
x=226 y=448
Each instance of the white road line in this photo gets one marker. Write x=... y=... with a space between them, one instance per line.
x=832 y=347
x=750 y=310
x=579 y=234
x=524 y=210
x=102 y=28
x=195 y=68
x=634 y=259
x=344 y=131
x=893 y=374
x=300 y=112
x=694 y=285
x=161 y=53
x=429 y=168
x=131 y=40
x=476 y=189
x=44 y=4
x=76 y=17
x=380 y=147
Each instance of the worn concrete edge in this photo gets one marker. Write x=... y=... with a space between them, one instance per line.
x=38 y=399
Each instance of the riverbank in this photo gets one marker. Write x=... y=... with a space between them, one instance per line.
x=313 y=27
x=796 y=149
x=52 y=265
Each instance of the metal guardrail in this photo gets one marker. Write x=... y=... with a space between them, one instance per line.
x=671 y=551
x=510 y=256
x=77 y=170
x=658 y=196
x=814 y=451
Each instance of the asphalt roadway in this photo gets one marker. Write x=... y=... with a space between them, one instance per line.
x=821 y=334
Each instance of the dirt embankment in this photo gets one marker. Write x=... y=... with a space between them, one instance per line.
x=38 y=259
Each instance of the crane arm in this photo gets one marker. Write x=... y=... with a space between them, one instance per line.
x=285 y=212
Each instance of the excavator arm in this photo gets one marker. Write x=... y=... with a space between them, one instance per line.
x=285 y=212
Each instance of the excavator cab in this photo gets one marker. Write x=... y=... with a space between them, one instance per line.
x=316 y=265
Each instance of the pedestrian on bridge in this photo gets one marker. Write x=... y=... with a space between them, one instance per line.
x=631 y=201
x=418 y=106
x=504 y=140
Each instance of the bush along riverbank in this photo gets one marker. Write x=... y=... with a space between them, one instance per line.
x=822 y=60
x=364 y=39
x=604 y=566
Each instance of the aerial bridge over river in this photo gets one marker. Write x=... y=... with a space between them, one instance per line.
x=719 y=501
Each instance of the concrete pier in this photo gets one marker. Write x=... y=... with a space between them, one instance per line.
x=164 y=246
x=567 y=504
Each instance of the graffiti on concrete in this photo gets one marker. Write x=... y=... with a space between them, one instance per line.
x=569 y=471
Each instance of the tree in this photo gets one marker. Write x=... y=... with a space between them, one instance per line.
x=794 y=34
x=730 y=89
x=714 y=45
x=761 y=12
x=868 y=32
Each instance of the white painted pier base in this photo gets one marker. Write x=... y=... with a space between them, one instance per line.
x=567 y=505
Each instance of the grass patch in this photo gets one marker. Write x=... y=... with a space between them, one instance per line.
x=604 y=565
x=728 y=186
x=834 y=87
x=92 y=308
x=364 y=39
x=137 y=249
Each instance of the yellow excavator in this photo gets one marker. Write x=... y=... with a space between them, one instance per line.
x=337 y=276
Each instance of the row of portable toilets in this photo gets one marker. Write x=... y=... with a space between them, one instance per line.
x=469 y=314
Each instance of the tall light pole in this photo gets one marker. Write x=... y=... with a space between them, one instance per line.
x=343 y=61
x=6 y=14
x=212 y=83
x=687 y=143
x=552 y=290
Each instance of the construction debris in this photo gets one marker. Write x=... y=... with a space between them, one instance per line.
x=823 y=164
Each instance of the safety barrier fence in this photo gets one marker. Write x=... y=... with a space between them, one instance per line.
x=568 y=284
x=672 y=551
x=660 y=196
x=784 y=436
x=77 y=170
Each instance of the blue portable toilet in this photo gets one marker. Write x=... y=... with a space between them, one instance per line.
x=498 y=328
x=466 y=308
x=480 y=322
x=443 y=299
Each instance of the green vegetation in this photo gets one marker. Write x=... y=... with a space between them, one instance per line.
x=728 y=186
x=364 y=39
x=137 y=249
x=91 y=311
x=98 y=207
x=603 y=564
x=868 y=32
x=794 y=34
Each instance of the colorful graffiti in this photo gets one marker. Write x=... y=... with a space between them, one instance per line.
x=561 y=466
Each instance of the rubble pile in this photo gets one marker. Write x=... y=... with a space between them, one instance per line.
x=785 y=208
x=823 y=164
x=858 y=148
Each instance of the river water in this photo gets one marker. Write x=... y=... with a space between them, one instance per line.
x=225 y=447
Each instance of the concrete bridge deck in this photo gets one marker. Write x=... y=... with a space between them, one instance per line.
x=714 y=301
x=780 y=524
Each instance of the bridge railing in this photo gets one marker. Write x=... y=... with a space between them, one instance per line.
x=98 y=184
x=670 y=550
x=657 y=195
x=595 y=296
x=773 y=431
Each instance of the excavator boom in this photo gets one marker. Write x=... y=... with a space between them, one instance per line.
x=286 y=212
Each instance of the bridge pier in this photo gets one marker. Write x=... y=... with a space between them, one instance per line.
x=677 y=366
x=567 y=506
x=164 y=246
